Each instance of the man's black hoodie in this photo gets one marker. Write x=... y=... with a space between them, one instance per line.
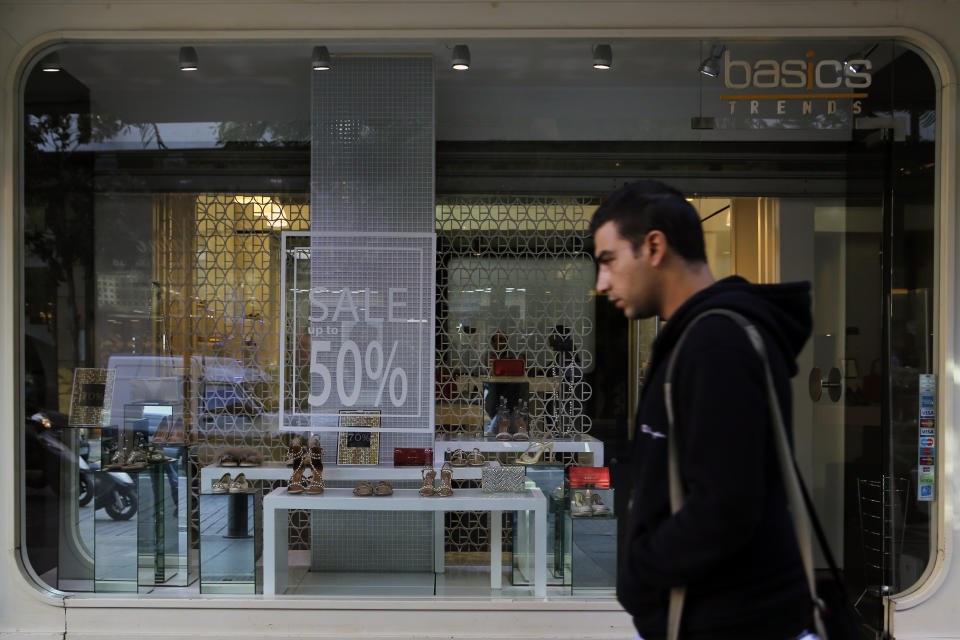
x=732 y=544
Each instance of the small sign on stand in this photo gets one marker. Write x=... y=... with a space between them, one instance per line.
x=359 y=447
x=91 y=397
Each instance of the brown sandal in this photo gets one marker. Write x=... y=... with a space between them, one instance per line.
x=295 y=452
x=429 y=475
x=446 y=477
x=249 y=457
x=476 y=458
x=363 y=489
x=383 y=488
x=228 y=457
x=458 y=458
x=296 y=484
x=316 y=480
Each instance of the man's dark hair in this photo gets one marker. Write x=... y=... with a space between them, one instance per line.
x=647 y=205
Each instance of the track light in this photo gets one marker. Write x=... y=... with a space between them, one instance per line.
x=188 y=59
x=460 y=61
x=51 y=64
x=602 y=56
x=711 y=66
x=321 y=59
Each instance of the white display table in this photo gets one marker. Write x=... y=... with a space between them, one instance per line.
x=278 y=502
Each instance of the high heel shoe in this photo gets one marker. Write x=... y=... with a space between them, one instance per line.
x=295 y=452
x=579 y=506
x=315 y=463
x=429 y=475
x=521 y=417
x=532 y=455
x=316 y=453
x=315 y=481
x=446 y=481
x=598 y=506
x=296 y=484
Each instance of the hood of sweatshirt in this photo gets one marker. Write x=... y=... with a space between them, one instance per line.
x=782 y=310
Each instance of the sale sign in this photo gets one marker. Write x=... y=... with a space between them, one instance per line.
x=364 y=327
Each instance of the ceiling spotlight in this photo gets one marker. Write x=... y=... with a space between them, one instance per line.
x=602 y=56
x=461 y=58
x=188 y=59
x=51 y=64
x=321 y=59
x=711 y=66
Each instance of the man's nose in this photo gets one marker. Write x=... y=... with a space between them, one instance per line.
x=603 y=282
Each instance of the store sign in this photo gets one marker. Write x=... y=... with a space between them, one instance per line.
x=364 y=333
x=926 y=445
x=807 y=86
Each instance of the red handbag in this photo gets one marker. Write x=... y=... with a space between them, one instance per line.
x=412 y=457
x=589 y=477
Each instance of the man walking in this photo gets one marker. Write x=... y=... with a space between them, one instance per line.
x=732 y=544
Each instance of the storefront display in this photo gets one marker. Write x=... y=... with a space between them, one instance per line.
x=353 y=327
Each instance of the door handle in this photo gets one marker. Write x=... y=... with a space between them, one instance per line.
x=832 y=383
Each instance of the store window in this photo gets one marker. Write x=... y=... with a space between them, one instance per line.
x=174 y=303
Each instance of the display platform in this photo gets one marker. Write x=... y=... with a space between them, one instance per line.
x=277 y=503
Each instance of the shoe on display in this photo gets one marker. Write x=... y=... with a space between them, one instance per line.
x=598 y=506
x=383 y=488
x=297 y=483
x=535 y=450
x=363 y=489
x=136 y=461
x=229 y=458
x=222 y=485
x=521 y=418
x=458 y=458
x=239 y=484
x=446 y=479
x=249 y=457
x=579 y=506
x=429 y=475
x=476 y=459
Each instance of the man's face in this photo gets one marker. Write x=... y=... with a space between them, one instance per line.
x=627 y=278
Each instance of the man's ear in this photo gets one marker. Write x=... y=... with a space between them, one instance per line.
x=656 y=243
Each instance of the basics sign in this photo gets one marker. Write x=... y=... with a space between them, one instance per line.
x=363 y=331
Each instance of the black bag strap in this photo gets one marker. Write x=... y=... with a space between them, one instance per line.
x=792 y=482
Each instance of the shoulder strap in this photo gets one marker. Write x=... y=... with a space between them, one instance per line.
x=800 y=508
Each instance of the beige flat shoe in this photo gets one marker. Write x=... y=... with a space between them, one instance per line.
x=363 y=489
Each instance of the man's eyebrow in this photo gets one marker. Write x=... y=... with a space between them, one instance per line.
x=606 y=254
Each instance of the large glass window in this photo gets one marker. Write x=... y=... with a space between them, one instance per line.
x=169 y=273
